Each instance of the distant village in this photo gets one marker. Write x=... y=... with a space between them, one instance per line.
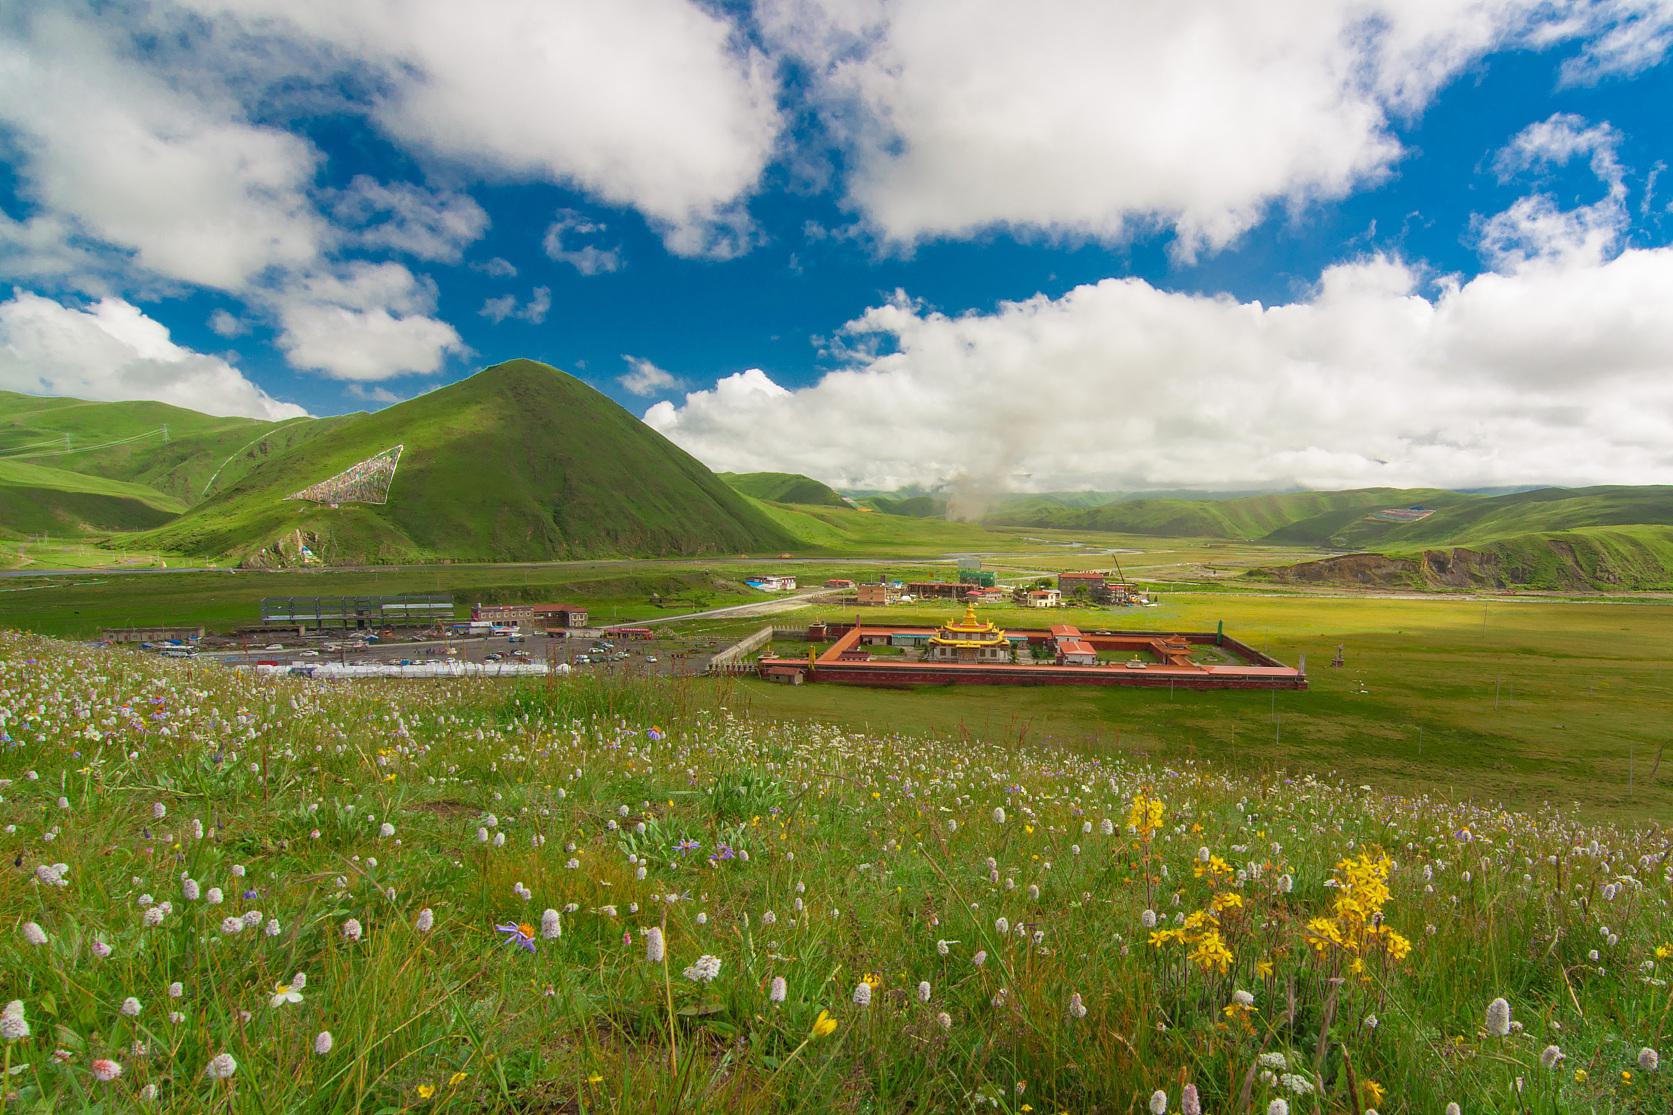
x=977 y=586
x=420 y=635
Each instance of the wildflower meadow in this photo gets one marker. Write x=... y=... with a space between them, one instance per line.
x=237 y=894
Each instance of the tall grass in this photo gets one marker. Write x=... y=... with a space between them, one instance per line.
x=1013 y=882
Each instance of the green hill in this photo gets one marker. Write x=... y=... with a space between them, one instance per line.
x=784 y=487
x=1294 y=517
x=161 y=459
x=517 y=463
x=1623 y=558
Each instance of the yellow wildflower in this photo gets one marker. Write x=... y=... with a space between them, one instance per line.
x=824 y=1025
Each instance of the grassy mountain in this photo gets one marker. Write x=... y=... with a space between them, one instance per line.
x=519 y=462
x=784 y=487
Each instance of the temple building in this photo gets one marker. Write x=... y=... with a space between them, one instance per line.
x=968 y=640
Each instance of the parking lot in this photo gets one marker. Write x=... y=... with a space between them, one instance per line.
x=665 y=654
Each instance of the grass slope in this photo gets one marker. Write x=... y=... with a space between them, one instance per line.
x=37 y=499
x=784 y=487
x=519 y=462
x=1637 y=558
x=171 y=449
x=839 y=530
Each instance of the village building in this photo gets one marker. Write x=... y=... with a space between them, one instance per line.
x=152 y=634
x=839 y=582
x=937 y=590
x=1095 y=585
x=559 y=615
x=968 y=640
x=1043 y=598
x=503 y=613
x=772 y=583
x=878 y=595
x=1076 y=652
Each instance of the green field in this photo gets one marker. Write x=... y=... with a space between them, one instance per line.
x=1515 y=700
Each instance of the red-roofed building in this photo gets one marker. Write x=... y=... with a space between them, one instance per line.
x=1076 y=652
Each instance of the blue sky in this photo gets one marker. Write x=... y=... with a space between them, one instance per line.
x=1085 y=245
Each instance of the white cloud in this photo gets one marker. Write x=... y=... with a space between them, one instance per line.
x=538 y=305
x=498 y=309
x=47 y=248
x=113 y=351
x=505 y=306
x=660 y=105
x=1619 y=36
x=431 y=225
x=363 y=321
x=177 y=177
x=1535 y=226
x=1556 y=373
x=644 y=378
x=563 y=243
x=226 y=324
x=1091 y=118
x=496 y=268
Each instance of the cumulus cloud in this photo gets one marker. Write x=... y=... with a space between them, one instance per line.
x=178 y=178
x=644 y=378
x=572 y=238
x=112 y=351
x=1552 y=373
x=658 y=105
x=1096 y=119
x=428 y=224
x=363 y=321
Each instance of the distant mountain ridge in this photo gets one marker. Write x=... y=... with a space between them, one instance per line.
x=1607 y=537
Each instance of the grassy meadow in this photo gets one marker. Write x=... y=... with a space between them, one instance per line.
x=234 y=894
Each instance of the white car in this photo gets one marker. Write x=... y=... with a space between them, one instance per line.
x=650 y=658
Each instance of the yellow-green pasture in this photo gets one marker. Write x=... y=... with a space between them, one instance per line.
x=1514 y=699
